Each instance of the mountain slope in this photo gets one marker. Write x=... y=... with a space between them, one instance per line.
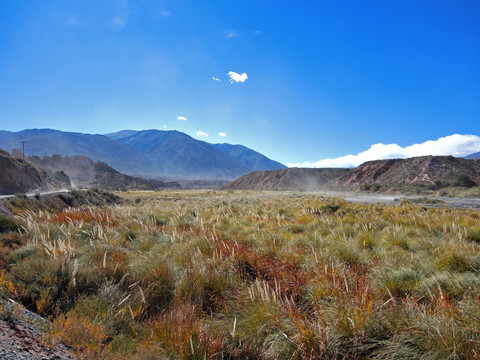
x=254 y=160
x=473 y=156
x=178 y=155
x=46 y=142
x=417 y=170
x=301 y=179
x=84 y=172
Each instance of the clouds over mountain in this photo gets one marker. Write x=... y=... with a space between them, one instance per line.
x=456 y=145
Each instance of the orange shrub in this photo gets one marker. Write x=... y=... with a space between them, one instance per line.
x=86 y=338
x=102 y=216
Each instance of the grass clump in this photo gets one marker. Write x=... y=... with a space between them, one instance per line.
x=43 y=285
x=9 y=225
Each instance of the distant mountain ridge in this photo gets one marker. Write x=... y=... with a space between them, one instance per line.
x=148 y=153
x=177 y=154
x=254 y=160
x=391 y=174
x=473 y=156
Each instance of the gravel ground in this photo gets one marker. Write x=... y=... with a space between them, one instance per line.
x=453 y=202
x=21 y=336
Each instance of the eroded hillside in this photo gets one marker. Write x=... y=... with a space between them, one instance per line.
x=302 y=179
x=18 y=176
x=418 y=170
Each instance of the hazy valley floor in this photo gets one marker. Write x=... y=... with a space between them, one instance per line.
x=431 y=201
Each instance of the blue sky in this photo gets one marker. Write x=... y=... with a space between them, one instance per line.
x=310 y=80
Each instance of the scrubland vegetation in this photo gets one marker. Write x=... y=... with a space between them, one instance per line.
x=245 y=275
x=461 y=186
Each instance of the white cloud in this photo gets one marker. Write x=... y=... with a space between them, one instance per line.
x=118 y=22
x=215 y=78
x=222 y=134
x=164 y=126
x=201 y=133
x=235 y=77
x=73 y=20
x=165 y=13
x=181 y=118
x=456 y=145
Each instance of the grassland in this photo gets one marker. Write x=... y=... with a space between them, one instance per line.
x=250 y=275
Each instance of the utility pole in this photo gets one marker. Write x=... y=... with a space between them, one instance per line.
x=23 y=148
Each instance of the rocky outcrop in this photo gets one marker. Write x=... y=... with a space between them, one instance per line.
x=57 y=179
x=417 y=170
x=18 y=176
x=84 y=172
x=301 y=179
x=367 y=172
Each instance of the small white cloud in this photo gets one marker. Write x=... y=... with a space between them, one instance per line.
x=236 y=77
x=165 y=13
x=230 y=33
x=183 y=118
x=215 y=78
x=201 y=133
x=164 y=126
x=73 y=20
x=456 y=145
x=222 y=134
x=118 y=22
x=257 y=32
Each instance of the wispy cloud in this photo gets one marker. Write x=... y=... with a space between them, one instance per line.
x=215 y=78
x=73 y=20
x=201 y=133
x=165 y=13
x=118 y=22
x=257 y=32
x=236 y=77
x=222 y=134
x=183 y=118
x=456 y=145
x=230 y=33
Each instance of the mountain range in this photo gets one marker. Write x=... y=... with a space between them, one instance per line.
x=148 y=153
